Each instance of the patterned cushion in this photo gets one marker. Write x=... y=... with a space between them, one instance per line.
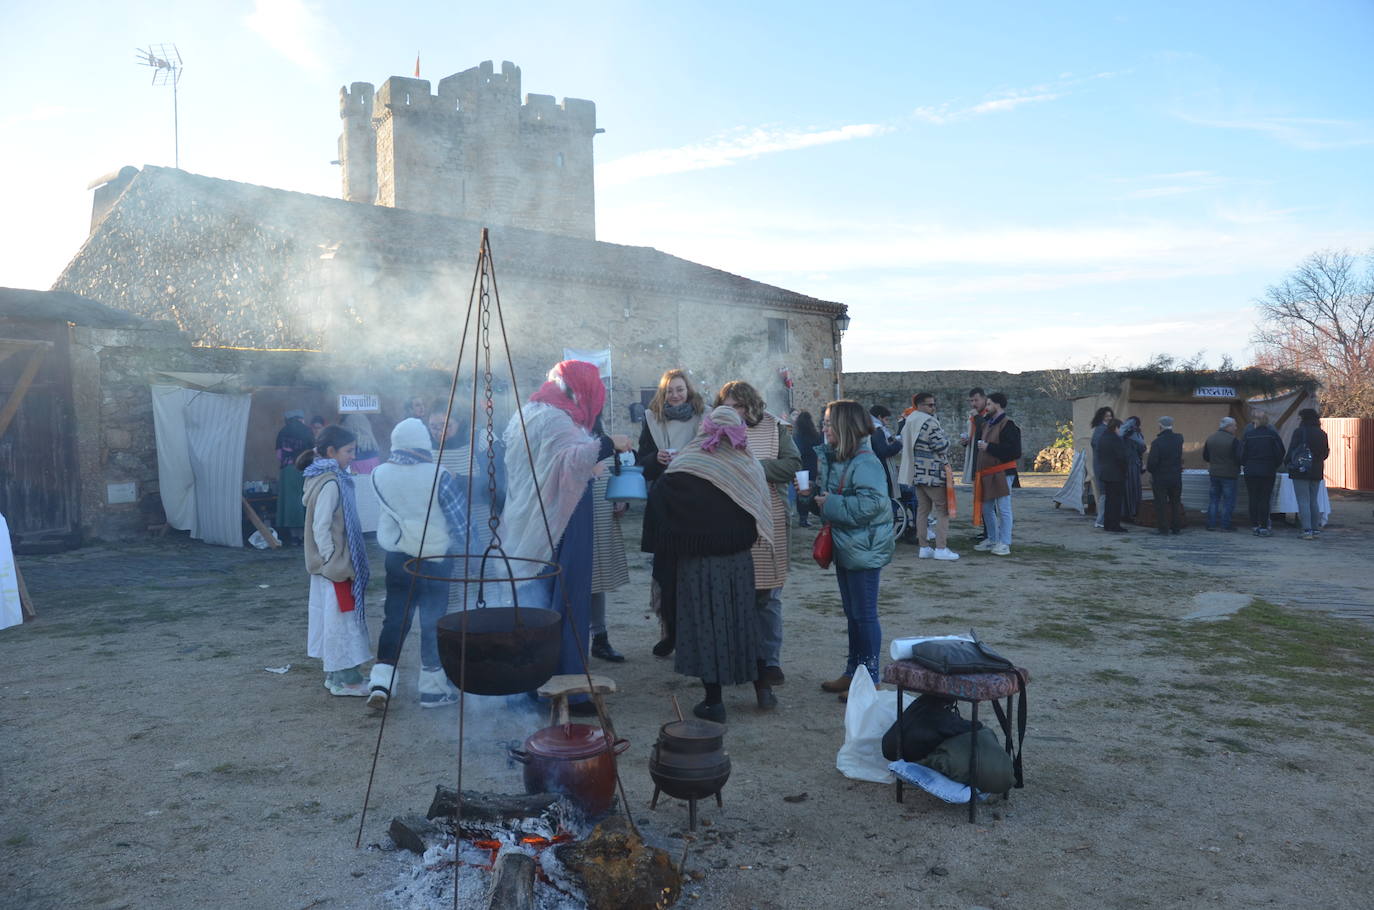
x=970 y=686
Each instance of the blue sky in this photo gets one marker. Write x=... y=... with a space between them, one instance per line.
x=988 y=185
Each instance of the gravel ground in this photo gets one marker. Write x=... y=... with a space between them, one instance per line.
x=150 y=761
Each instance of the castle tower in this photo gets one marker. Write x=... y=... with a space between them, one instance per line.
x=471 y=151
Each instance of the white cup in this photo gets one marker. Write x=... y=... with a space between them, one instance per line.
x=803 y=480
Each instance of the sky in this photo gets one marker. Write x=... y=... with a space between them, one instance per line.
x=992 y=185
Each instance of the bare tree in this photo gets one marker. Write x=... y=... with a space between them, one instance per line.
x=1320 y=320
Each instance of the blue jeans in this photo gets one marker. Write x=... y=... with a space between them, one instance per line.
x=1308 y=513
x=997 y=519
x=430 y=600
x=1221 y=502
x=768 y=607
x=859 y=595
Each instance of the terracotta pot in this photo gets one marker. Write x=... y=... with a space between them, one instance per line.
x=573 y=759
x=689 y=760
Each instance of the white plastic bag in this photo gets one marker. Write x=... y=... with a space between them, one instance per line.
x=257 y=540
x=867 y=716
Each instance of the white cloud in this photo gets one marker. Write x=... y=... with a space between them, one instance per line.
x=293 y=28
x=1307 y=133
x=1006 y=100
x=1006 y=104
x=1179 y=183
x=726 y=149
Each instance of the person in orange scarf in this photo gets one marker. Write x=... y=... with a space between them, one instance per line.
x=999 y=448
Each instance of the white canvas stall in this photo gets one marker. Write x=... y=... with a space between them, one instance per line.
x=200 y=439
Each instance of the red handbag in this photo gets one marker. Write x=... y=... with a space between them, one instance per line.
x=823 y=548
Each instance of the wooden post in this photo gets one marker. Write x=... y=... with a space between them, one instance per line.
x=263 y=529
x=25 y=605
x=21 y=388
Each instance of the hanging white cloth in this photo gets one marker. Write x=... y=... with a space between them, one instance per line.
x=11 y=611
x=1071 y=493
x=200 y=439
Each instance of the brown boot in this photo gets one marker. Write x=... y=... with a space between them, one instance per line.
x=839 y=684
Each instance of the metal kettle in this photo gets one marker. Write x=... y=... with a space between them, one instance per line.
x=626 y=483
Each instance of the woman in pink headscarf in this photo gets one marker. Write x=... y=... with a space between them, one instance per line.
x=558 y=421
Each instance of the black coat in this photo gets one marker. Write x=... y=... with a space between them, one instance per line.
x=1314 y=437
x=1165 y=461
x=1111 y=458
x=1261 y=452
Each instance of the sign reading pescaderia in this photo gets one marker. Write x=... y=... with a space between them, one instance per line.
x=356 y=404
x=1215 y=391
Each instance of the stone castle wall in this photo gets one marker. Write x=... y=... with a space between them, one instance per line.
x=1037 y=400
x=471 y=150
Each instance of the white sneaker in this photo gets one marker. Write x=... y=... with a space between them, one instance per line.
x=926 y=553
x=946 y=553
x=984 y=545
x=356 y=689
x=379 y=685
x=435 y=689
x=1001 y=549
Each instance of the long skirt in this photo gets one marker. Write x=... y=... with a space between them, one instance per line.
x=717 y=632
x=290 y=508
x=338 y=639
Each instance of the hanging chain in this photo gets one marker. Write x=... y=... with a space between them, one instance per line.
x=489 y=407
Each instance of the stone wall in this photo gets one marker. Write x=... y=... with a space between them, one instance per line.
x=241 y=266
x=112 y=370
x=1037 y=400
x=471 y=150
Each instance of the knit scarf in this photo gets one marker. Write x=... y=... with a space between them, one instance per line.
x=682 y=411
x=353 y=529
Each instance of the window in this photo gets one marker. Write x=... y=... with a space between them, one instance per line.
x=777 y=336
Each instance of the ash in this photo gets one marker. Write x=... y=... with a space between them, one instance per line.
x=427 y=883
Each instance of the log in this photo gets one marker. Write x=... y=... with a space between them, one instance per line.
x=263 y=529
x=490 y=807
x=512 y=882
x=413 y=833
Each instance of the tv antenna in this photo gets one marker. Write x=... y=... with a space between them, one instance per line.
x=165 y=61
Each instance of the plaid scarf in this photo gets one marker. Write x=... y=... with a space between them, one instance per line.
x=353 y=530
x=452 y=499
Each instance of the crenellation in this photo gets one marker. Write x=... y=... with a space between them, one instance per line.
x=471 y=149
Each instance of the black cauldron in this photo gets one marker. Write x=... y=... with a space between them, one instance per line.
x=689 y=760
x=510 y=649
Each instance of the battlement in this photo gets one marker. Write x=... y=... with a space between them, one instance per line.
x=358 y=101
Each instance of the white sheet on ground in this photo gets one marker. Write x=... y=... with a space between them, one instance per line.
x=200 y=438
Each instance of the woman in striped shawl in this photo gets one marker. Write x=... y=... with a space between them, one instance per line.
x=702 y=518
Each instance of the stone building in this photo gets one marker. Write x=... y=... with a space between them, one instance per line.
x=383 y=275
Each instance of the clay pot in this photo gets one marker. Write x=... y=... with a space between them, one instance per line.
x=510 y=649
x=689 y=760
x=573 y=759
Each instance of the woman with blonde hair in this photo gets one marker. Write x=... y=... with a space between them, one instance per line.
x=670 y=422
x=850 y=494
x=770 y=441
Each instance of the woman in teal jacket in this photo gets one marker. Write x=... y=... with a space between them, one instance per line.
x=851 y=496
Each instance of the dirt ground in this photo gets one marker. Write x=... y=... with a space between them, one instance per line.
x=148 y=759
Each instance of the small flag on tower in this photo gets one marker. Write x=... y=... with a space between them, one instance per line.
x=417 y=64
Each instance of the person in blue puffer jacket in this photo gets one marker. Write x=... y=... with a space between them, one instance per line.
x=850 y=494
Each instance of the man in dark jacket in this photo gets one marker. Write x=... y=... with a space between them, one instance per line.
x=1165 y=464
x=1221 y=451
x=883 y=443
x=1261 y=454
x=1111 y=472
